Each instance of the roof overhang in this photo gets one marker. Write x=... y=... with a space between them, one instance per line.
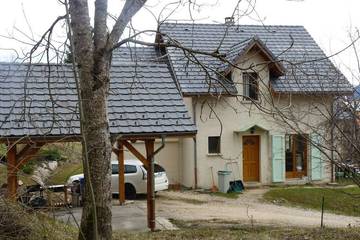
x=77 y=138
x=250 y=127
x=275 y=66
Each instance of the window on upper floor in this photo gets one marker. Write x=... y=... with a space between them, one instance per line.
x=229 y=76
x=214 y=144
x=251 y=86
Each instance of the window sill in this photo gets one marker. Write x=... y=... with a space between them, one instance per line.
x=214 y=154
x=250 y=102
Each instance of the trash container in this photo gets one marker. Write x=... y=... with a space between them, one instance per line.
x=223 y=181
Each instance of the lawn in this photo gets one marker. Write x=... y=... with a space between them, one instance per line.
x=63 y=172
x=345 y=181
x=19 y=224
x=337 y=200
x=25 y=178
x=208 y=230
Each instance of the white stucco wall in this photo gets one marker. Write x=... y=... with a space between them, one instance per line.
x=188 y=157
x=169 y=157
x=229 y=114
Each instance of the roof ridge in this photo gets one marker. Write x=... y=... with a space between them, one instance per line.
x=235 y=25
x=243 y=41
x=117 y=64
x=35 y=64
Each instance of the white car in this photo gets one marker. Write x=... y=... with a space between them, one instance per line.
x=135 y=178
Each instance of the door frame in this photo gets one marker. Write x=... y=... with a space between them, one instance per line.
x=259 y=154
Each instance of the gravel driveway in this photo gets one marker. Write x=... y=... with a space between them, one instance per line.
x=247 y=209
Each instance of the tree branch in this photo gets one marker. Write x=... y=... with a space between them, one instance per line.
x=131 y=7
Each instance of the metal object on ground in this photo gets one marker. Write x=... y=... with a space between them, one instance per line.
x=223 y=181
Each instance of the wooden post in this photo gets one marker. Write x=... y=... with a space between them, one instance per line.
x=11 y=171
x=121 y=173
x=65 y=195
x=322 y=212
x=150 y=184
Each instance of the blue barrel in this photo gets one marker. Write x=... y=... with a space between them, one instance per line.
x=82 y=186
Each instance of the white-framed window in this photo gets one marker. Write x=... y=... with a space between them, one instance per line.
x=251 y=86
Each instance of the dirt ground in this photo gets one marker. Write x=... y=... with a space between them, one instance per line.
x=248 y=208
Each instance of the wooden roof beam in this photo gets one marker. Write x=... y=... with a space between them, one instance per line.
x=136 y=153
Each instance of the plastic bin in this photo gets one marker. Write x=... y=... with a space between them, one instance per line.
x=223 y=181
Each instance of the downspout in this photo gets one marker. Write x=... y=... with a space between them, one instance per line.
x=195 y=146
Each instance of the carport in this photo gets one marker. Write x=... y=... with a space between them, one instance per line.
x=39 y=105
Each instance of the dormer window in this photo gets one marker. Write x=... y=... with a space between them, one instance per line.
x=229 y=76
x=251 y=86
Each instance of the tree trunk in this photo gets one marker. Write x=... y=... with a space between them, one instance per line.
x=92 y=58
x=94 y=84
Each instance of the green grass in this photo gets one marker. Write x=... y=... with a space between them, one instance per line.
x=209 y=230
x=63 y=172
x=337 y=200
x=17 y=223
x=345 y=181
x=25 y=178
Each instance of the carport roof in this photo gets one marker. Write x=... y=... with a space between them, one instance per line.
x=41 y=100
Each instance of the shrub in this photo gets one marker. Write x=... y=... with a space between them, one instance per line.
x=29 y=167
x=18 y=224
x=51 y=154
x=2 y=150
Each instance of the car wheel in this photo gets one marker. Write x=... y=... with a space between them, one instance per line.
x=130 y=191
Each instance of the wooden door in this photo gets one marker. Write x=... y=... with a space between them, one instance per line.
x=251 y=158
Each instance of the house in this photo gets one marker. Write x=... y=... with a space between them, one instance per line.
x=259 y=97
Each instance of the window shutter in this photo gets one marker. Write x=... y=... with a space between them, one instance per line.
x=278 y=158
x=316 y=164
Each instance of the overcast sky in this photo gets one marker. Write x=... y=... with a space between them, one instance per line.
x=328 y=21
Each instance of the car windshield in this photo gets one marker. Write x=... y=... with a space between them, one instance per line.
x=158 y=168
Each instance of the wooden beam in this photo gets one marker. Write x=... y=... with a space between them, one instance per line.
x=11 y=172
x=29 y=153
x=23 y=151
x=136 y=153
x=44 y=139
x=115 y=150
x=149 y=145
x=121 y=173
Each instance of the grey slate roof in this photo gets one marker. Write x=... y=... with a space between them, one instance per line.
x=143 y=100
x=307 y=68
x=356 y=94
x=128 y=54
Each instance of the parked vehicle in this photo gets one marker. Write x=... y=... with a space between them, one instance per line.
x=135 y=178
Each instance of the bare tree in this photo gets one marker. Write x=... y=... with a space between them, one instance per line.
x=91 y=48
x=92 y=53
